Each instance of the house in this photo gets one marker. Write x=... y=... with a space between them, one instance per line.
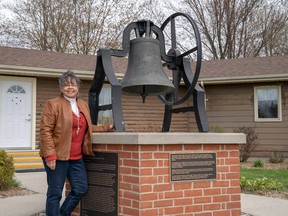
x=250 y=92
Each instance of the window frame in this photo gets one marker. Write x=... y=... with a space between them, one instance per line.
x=256 y=118
x=103 y=114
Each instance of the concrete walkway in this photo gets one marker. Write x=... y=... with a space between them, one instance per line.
x=29 y=204
x=251 y=205
x=263 y=206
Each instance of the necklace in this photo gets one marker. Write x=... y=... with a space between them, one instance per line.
x=78 y=126
x=75 y=110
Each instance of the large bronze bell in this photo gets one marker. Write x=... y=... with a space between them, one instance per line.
x=145 y=74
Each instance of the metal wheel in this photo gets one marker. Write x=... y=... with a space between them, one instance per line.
x=180 y=64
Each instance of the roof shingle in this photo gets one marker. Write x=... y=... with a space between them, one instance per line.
x=241 y=67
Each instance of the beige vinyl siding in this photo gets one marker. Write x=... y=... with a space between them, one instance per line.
x=228 y=106
x=273 y=136
x=232 y=106
x=46 y=89
x=137 y=116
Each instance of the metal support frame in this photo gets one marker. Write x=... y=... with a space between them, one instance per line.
x=174 y=60
x=198 y=109
x=184 y=72
x=104 y=68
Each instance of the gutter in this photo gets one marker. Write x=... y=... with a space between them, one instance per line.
x=41 y=72
x=244 y=79
x=88 y=75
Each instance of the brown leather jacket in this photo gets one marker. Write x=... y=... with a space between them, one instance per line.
x=56 y=128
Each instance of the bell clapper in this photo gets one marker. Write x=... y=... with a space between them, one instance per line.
x=143 y=94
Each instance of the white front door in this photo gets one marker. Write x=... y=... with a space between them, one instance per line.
x=16 y=114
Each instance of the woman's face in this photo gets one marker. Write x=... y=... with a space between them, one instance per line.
x=70 y=88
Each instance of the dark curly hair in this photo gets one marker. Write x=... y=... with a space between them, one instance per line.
x=68 y=77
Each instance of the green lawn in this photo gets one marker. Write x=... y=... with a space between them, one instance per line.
x=280 y=175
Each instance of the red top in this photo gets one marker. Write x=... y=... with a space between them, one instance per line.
x=77 y=139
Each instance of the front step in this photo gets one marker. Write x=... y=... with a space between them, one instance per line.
x=26 y=160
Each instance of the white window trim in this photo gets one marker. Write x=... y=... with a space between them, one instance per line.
x=256 y=105
x=101 y=113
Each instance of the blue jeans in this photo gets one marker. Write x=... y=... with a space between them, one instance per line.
x=75 y=172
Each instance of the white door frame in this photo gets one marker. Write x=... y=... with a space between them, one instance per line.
x=33 y=114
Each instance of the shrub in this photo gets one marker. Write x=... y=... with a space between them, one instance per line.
x=276 y=158
x=216 y=129
x=258 y=163
x=6 y=171
x=102 y=120
x=260 y=184
x=149 y=127
x=251 y=142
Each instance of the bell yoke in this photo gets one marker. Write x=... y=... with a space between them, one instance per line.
x=145 y=73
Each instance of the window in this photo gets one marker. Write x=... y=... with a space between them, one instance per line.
x=268 y=103
x=105 y=117
x=16 y=89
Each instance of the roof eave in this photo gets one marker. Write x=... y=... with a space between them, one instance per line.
x=41 y=72
x=244 y=79
x=88 y=75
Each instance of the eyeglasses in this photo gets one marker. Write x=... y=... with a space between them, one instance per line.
x=70 y=85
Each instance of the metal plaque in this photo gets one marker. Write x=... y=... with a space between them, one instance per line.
x=102 y=196
x=193 y=166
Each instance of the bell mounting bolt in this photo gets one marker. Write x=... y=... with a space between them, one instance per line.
x=145 y=75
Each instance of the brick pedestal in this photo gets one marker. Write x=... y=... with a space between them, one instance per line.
x=144 y=182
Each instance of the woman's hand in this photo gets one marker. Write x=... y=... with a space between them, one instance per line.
x=111 y=127
x=108 y=127
x=103 y=128
x=51 y=164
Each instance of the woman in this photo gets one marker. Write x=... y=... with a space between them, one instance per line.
x=65 y=135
